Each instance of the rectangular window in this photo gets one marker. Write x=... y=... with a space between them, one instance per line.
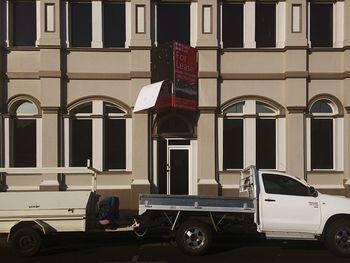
x=113 y=24
x=321 y=24
x=173 y=22
x=233 y=144
x=24 y=143
x=81 y=24
x=81 y=143
x=265 y=144
x=24 y=23
x=114 y=144
x=321 y=144
x=232 y=25
x=265 y=24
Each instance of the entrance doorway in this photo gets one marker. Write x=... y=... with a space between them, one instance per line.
x=174 y=166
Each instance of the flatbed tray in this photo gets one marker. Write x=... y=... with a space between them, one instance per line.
x=195 y=203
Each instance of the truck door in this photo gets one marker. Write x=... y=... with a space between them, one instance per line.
x=286 y=205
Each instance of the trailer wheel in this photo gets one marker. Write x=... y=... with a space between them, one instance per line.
x=194 y=237
x=26 y=242
x=337 y=238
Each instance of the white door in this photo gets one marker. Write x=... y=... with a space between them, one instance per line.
x=286 y=205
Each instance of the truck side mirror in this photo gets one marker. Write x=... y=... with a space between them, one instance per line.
x=313 y=191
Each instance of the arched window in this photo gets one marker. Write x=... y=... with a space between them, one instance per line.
x=251 y=135
x=98 y=133
x=322 y=127
x=23 y=135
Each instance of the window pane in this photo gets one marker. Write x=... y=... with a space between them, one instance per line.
x=110 y=108
x=265 y=24
x=262 y=108
x=232 y=25
x=24 y=23
x=114 y=24
x=265 y=144
x=173 y=23
x=233 y=144
x=322 y=144
x=84 y=108
x=283 y=185
x=115 y=144
x=24 y=143
x=81 y=143
x=237 y=108
x=81 y=24
x=26 y=108
x=321 y=106
x=321 y=25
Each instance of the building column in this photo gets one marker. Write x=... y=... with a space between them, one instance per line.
x=347 y=136
x=339 y=24
x=249 y=24
x=97 y=41
x=346 y=22
x=207 y=183
x=50 y=81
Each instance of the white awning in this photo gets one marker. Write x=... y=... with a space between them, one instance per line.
x=147 y=97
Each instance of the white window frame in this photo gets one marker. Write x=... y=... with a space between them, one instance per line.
x=249 y=134
x=97 y=116
x=7 y=131
x=338 y=137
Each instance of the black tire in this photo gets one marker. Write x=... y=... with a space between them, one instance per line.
x=26 y=242
x=194 y=238
x=337 y=238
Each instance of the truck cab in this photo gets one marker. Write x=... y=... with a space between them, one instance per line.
x=289 y=208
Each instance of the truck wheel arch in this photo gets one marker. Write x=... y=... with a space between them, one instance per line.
x=39 y=226
x=333 y=219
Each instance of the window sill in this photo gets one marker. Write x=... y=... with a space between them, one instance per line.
x=90 y=49
x=324 y=171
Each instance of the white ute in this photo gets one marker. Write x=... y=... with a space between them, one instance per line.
x=278 y=205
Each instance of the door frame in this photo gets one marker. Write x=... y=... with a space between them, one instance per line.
x=192 y=163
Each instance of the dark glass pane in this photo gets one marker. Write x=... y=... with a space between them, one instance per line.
x=114 y=24
x=322 y=144
x=110 y=108
x=262 y=108
x=179 y=172
x=265 y=24
x=321 y=25
x=84 y=108
x=115 y=144
x=321 y=106
x=283 y=185
x=236 y=108
x=162 y=167
x=179 y=142
x=232 y=25
x=81 y=24
x=233 y=144
x=265 y=144
x=173 y=23
x=81 y=143
x=24 y=143
x=24 y=23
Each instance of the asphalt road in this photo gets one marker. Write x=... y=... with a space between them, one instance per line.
x=124 y=247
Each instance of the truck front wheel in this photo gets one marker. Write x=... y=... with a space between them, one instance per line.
x=194 y=237
x=338 y=238
x=26 y=242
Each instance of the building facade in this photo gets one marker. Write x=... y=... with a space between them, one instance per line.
x=273 y=91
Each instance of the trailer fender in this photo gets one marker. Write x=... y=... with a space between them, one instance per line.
x=36 y=224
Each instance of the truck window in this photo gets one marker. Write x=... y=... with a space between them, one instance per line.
x=283 y=185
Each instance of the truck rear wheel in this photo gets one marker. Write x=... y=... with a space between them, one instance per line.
x=338 y=238
x=194 y=237
x=26 y=242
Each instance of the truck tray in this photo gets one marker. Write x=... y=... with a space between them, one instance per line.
x=195 y=203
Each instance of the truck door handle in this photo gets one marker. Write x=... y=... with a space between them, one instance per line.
x=270 y=200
